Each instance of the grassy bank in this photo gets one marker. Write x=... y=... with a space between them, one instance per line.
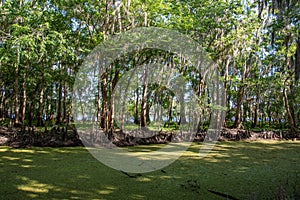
x=241 y=170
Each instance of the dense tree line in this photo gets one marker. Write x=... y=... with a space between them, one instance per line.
x=255 y=43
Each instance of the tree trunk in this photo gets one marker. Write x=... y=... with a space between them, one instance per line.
x=148 y=107
x=143 y=120
x=59 y=104
x=288 y=110
x=254 y=124
x=297 y=60
x=16 y=94
x=40 y=107
x=182 y=109
x=112 y=110
x=136 y=109
x=297 y=78
x=99 y=102
x=226 y=75
x=31 y=109
x=24 y=101
x=65 y=109
x=170 y=109
x=1 y=104
x=237 y=120
x=104 y=106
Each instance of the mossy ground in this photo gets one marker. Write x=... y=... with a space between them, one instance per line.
x=244 y=170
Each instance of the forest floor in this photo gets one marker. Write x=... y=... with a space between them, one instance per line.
x=62 y=137
x=266 y=169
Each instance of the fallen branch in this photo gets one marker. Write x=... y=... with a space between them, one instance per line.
x=131 y=176
x=223 y=195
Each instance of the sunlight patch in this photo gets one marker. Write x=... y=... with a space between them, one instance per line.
x=105 y=191
x=10 y=158
x=23 y=151
x=143 y=179
x=35 y=187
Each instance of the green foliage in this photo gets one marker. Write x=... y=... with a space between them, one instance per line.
x=43 y=44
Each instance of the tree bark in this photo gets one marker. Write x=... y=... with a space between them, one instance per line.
x=237 y=116
x=104 y=109
x=40 y=106
x=288 y=110
x=182 y=109
x=65 y=109
x=254 y=124
x=99 y=102
x=31 y=109
x=143 y=120
x=59 y=102
x=170 y=109
x=24 y=100
x=1 y=103
x=136 y=109
x=16 y=93
x=297 y=60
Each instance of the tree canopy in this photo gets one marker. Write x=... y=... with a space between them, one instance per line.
x=256 y=45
